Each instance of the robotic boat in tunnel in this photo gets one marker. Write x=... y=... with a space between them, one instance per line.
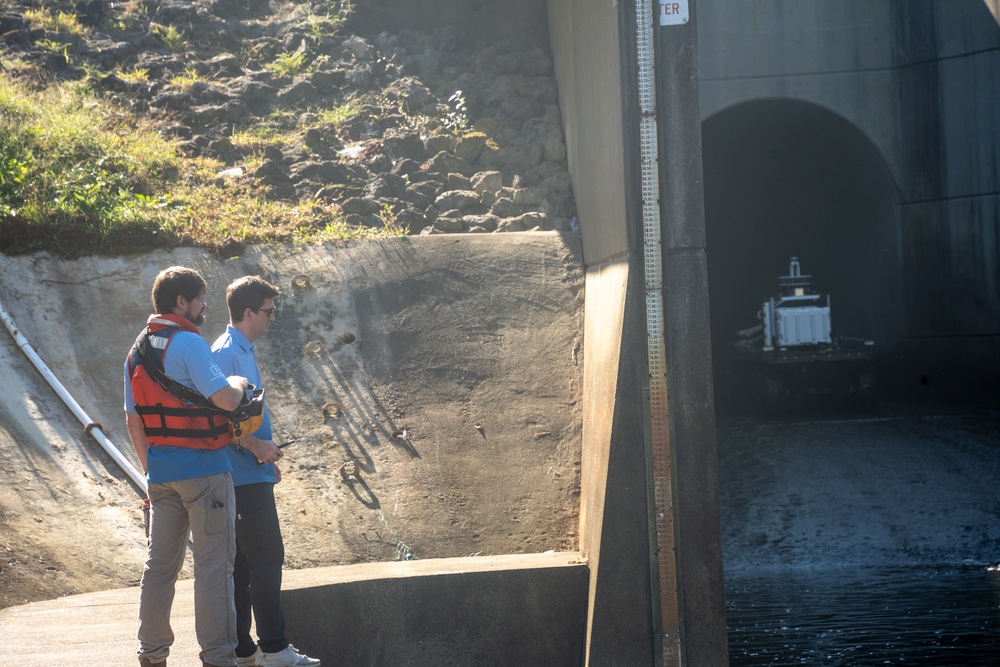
x=792 y=353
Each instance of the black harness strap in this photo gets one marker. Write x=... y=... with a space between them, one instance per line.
x=166 y=431
x=151 y=359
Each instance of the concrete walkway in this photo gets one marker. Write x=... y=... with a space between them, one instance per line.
x=90 y=630
x=327 y=607
x=99 y=629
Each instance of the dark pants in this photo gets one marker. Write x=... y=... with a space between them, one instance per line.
x=260 y=555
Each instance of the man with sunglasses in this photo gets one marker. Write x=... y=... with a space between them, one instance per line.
x=260 y=553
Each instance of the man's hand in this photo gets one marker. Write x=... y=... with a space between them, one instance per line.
x=238 y=382
x=229 y=398
x=265 y=450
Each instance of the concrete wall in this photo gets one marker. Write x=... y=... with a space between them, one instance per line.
x=838 y=55
x=588 y=45
x=950 y=65
x=593 y=45
x=918 y=81
x=803 y=158
x=458 y=612
x=586 y=53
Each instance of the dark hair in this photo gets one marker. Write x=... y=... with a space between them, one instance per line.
x=248 y=292
x=173 y=282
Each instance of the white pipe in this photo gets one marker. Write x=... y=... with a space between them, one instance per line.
x=93 y=428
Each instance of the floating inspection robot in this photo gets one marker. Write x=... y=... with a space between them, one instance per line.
x=792 y=352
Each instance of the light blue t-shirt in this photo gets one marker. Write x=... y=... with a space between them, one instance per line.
x=188 y=360
x=235 y=355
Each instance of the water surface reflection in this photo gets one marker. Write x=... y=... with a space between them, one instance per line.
x=857 y=618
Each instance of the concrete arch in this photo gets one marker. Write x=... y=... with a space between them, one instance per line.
x=788 y=178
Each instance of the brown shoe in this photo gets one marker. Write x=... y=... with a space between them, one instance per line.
x=208 y=664
x=143 y=662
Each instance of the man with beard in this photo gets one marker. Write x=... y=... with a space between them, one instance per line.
x=174 y=392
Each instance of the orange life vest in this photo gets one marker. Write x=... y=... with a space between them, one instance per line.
x=171 y=413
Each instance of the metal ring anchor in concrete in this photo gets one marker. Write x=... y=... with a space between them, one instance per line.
x=332 y=410
x=350 y=472
x=315 y=348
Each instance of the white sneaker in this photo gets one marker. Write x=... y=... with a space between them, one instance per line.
x=289 y=657
x=248 y=661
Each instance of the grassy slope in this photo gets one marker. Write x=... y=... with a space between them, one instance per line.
x=82 y=173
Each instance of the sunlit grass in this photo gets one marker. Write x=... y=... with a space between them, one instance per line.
x=288 y=64
x=135 y=75
x=131 y=15
x=320 y=25
x=253 y=140
x=341 y=113
x=52 y=46
x=186 y=81
x=276 y=129
x=60 y=22
x=78 y=175
x=173 y=37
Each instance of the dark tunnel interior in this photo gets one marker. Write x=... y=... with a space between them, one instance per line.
x=790 y=179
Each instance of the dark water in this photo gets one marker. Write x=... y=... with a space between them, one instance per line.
x=857 y=618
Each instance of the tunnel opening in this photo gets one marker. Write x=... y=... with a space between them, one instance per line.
x=790 y=179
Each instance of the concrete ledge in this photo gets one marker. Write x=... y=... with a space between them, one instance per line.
x=498 y=610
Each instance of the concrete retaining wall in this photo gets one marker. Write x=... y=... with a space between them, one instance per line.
x=463 y=612
x=920 y=81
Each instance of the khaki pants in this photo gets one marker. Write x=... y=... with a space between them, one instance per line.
x=205 y=506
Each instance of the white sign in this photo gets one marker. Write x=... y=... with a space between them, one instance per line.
x=673 y=13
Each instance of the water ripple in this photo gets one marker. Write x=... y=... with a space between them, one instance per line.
x=928 y=617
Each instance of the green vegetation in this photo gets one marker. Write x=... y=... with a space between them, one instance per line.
x=82 y=173
x=79 y=176
x=58 y=22
x=327 y=23
x=341 y=113
x=288 y=64
x=61 y=48
x=135 y=75
x=318 y=25
x=131 y=15
x=458 y=117
x=186 y=81
x=277 y=129
x=172 y=37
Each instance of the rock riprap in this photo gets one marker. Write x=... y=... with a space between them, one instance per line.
x=422 y=129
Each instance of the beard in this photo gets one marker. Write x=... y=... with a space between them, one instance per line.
x=196 y=320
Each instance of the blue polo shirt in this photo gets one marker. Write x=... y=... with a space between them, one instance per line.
x=188 y=360
x=235 y=355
